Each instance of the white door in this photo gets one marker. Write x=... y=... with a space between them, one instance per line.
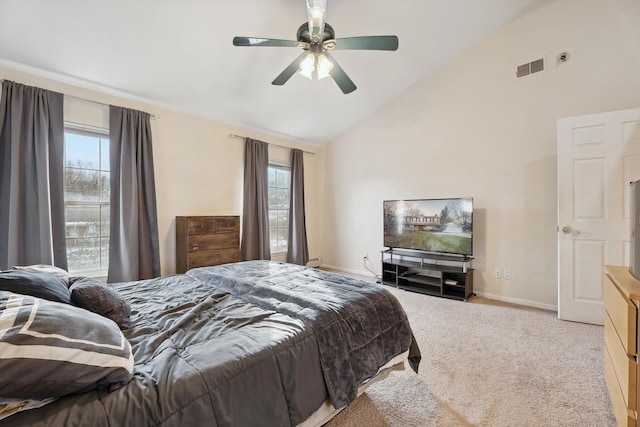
x=598 y=156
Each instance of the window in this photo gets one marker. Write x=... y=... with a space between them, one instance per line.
x=278 y=186
x=87 y=201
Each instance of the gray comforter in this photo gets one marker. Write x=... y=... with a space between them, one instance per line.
x=247 y=344
x=359 y=325
x=202 y=357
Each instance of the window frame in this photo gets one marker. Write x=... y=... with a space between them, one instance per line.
x=101 y=134
x=278 y=164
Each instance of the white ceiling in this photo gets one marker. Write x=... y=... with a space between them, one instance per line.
x=179 y=55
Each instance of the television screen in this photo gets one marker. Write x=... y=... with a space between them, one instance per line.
x=432 y=225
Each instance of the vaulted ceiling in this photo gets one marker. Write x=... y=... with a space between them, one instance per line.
x=179 y=54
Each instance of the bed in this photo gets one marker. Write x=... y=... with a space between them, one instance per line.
x=244 y=344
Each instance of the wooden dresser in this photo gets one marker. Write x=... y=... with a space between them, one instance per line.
x=206 y=240
x=621 y=295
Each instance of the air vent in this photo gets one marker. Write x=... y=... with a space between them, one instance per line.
x=530 y=68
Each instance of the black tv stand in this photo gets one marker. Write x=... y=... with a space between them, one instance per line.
x=443 y=275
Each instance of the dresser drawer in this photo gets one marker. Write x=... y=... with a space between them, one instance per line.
x=201 y=225
x=228 y=224
x=624 y=366
x=211 y=225
x=623 y=315
x=624 y=416
x=215 y=257
x=213 y=241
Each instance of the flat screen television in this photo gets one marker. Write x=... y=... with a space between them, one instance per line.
x=430 y=225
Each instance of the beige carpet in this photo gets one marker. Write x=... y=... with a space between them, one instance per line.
x=488 y=363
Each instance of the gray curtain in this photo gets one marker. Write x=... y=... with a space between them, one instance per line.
x=255 y=212
x=297 y=250
x=32 y=227
x=134 y=248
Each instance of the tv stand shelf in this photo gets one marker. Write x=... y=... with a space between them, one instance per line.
x=448 y=276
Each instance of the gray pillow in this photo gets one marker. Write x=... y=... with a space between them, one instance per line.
x=37 y=284
x=100 y=298
x=51 y=349
x=45 y=268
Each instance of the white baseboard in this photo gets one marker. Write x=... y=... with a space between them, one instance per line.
x=348 y=270
x=518 y=301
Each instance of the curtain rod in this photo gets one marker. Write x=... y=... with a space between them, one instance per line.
x=151 y=116
x=233 y=135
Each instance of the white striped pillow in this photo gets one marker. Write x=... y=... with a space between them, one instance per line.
x=50 y=349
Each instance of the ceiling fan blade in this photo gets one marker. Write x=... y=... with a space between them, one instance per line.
x=254 y=41
x=286 y=74
x=340 y=77
x=367 y=43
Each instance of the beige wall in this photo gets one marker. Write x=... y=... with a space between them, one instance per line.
x=474 y=130
x=199 y=169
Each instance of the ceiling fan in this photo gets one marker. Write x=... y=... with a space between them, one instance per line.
x=317 y=38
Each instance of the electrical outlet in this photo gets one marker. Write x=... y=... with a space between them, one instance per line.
x=507 y=274
x=497 y=274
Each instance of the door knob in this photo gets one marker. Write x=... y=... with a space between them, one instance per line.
x=568 y=230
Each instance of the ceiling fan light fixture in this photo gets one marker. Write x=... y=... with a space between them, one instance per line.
x=324 y=66
x=308 y=66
